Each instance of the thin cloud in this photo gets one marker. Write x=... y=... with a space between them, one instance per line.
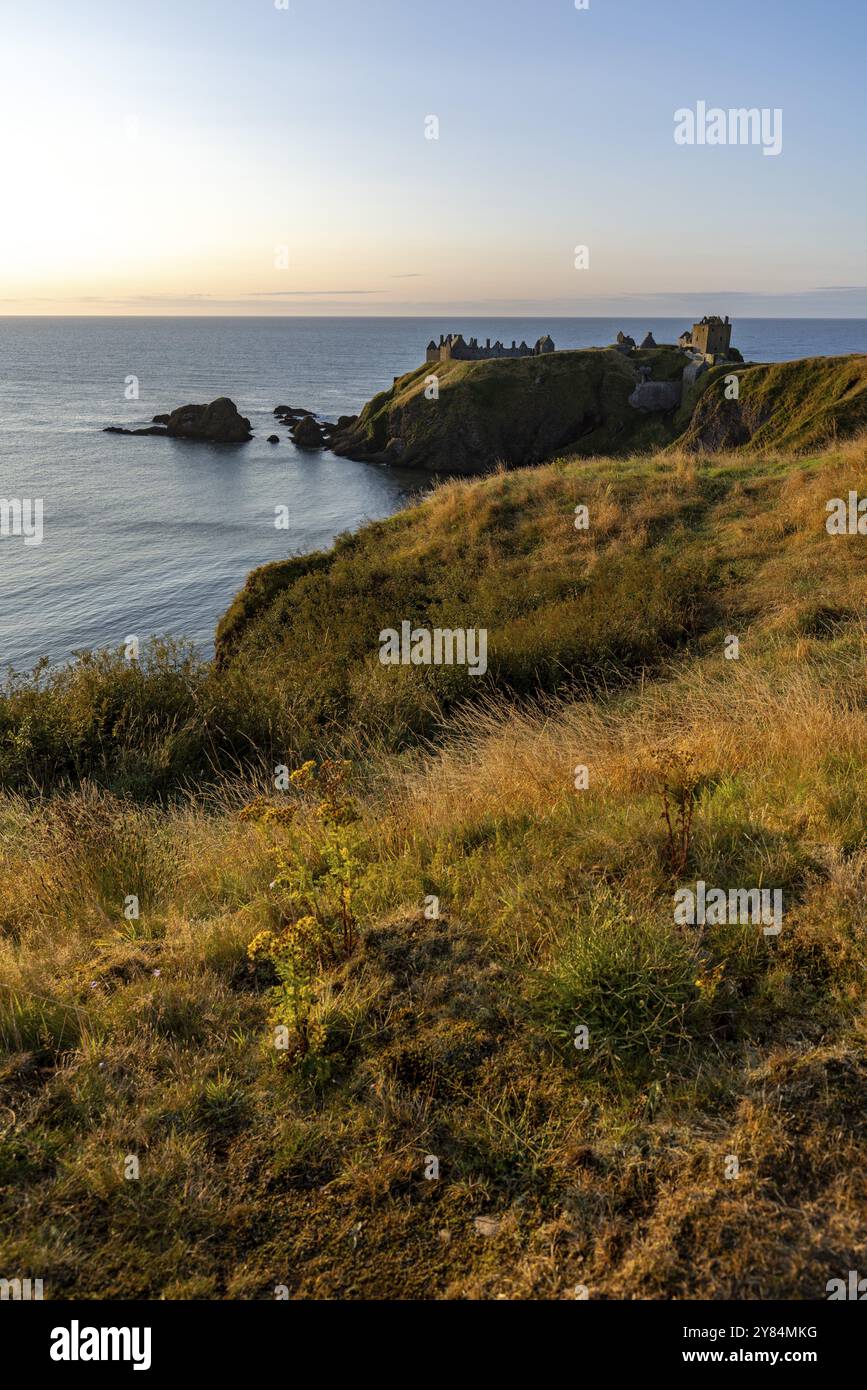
x=293 y=294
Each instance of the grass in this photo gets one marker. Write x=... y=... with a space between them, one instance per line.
x=781 y=405
x=284 y=1138
x=678 y=553
x=520 y=411
x=527 y=410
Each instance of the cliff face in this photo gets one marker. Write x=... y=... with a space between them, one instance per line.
x=430 y=561
x=517 y=412
x=781 y=405
x=526 y=411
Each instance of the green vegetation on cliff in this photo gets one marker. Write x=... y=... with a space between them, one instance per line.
x=515 y=411
x=676 y=543
x=784 y=405
x=410 y=1030
x=523 y=411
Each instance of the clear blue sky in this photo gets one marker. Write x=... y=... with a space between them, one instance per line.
x=163 y=154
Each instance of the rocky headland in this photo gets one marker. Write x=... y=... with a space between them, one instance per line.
x=465 y=417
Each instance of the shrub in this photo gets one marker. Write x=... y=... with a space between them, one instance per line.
x=314 y=886
x=630 y=979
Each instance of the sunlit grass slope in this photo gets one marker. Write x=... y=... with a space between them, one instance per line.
x=331 y=985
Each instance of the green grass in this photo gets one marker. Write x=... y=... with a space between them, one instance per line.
x=453 y=1036
x=783 y=405
x=518 y=411
x=527 y=410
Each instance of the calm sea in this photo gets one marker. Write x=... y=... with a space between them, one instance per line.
x=150 y=535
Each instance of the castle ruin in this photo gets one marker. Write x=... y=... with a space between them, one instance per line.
x=454 y=346
x=712 y=337
x=708 y=343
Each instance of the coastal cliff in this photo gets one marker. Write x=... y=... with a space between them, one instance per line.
x=467 y=417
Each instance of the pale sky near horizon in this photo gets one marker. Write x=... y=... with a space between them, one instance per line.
x=157 y=157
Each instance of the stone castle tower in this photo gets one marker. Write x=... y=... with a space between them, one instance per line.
x=712 y=337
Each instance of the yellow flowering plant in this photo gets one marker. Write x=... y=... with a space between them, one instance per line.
x=314 y=885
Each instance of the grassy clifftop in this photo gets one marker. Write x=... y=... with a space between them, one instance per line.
x=501 y=553
x=517 y=412
x=784 y=405
x=523 y=411
x=331 y=984
x=673 y=547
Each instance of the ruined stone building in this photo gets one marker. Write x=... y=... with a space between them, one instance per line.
x=708 y=343
x=455 y=346
x=712 y=337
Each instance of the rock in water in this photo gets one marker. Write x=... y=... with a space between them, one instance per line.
x=307 y=434
x=119 y=429
x=218 y=422
x=273 y=439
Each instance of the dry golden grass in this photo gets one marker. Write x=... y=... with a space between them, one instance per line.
x=453 y=1036
x=782 y=714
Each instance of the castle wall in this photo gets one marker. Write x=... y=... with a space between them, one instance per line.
x=712 y=337
x=454 y=347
